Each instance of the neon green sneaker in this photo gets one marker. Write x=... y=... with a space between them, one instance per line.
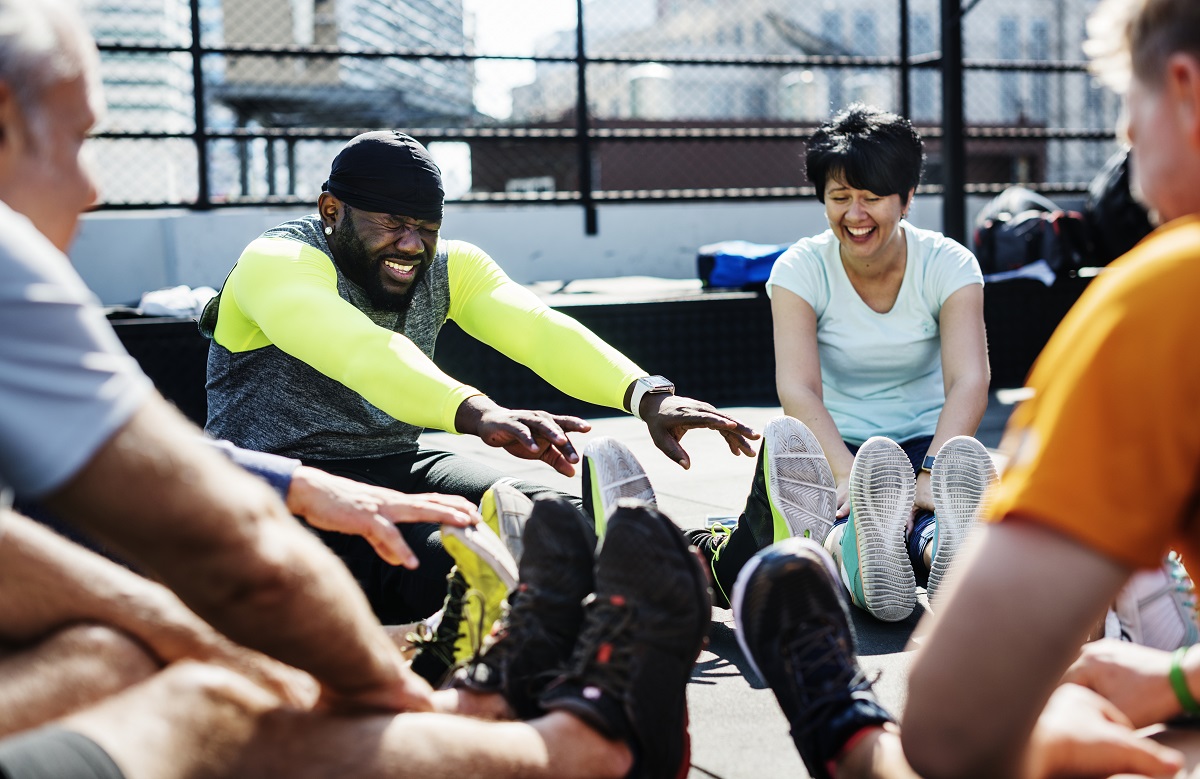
x=490 y=574
x=875 y=564
x=800 y=487
x=611 y=472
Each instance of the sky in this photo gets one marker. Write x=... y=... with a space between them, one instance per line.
x=511 y=27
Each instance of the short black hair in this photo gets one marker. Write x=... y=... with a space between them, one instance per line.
x=868 y=148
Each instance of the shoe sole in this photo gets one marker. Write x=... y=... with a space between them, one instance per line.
x=747 y=574
x=505 y=509
x=882 y=488
x=800 y=483
x=962 y=473
x=613 y=473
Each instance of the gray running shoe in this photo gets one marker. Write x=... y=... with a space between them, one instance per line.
x=878 y=572
x=963 y=472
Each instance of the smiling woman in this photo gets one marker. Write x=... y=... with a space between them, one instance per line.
x=879 y=345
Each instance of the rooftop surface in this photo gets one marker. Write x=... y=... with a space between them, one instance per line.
x=737 y=728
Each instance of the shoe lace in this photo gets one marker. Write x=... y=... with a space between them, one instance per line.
x=441 y=641
x=601 y=656
x=820 y=660
x=519 y=618
x=718 y=536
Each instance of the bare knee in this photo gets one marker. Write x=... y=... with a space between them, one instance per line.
x=214 y=687
x=66 y=671
x=117 y=659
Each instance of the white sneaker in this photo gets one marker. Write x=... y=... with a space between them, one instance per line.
x=1157 y=607
x=882 y=488
x=611 y=472
x=963 y=472
x=505 y=509
x=800 y=485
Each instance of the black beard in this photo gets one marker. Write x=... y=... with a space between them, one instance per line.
x=355 y=262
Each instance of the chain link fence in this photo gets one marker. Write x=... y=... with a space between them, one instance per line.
x=245 y=102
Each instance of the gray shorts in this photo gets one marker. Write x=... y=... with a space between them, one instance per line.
x=54 y=753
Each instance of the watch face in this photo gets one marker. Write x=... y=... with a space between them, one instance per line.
x=656 y=384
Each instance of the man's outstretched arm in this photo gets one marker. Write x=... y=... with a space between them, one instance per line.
x=342 y=505
x=491 y=307
x=228 y=547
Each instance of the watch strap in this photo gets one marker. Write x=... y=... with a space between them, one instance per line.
x=649 y=385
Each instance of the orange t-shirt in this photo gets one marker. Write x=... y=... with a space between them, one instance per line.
x=1107 y=451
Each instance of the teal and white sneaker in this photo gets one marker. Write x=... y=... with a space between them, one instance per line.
x=1157 y=607
x=611 y=472
x=799 y=483
x=875 y=565
x=963 y=473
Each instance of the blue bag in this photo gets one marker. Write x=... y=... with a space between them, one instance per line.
x=738 y=264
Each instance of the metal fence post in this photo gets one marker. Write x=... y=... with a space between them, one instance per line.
x=954 y=207
x=582 y=127
x=905 y=95
x=203 y=196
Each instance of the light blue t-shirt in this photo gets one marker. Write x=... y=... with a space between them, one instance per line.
x=881 y=374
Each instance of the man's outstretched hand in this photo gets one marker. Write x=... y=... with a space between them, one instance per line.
x=334 y=503
x=530 y=435
x=668 y=417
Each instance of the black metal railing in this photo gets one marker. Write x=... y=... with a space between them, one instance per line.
x=574 y=142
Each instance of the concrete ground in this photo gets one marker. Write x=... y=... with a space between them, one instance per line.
x=737 y=728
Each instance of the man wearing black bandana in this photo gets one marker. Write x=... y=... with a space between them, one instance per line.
x=322 y=347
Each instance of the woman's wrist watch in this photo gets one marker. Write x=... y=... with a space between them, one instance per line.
x=927 y=463
x=648 y=385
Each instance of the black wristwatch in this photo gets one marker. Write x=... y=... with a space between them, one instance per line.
x=927 y=463
x=648 y=385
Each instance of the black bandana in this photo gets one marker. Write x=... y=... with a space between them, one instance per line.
x=387 y=172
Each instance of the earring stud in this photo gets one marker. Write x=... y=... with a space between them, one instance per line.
x=328 y=230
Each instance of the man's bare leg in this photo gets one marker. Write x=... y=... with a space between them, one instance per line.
x=195 y=721
x=875 y=754
x=68 y=670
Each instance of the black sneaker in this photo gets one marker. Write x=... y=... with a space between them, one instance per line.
x=793 y=624
x=534 y=639
x=435 y=645
x=644 y=627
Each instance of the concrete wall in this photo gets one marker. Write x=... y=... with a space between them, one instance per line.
x=123 y=254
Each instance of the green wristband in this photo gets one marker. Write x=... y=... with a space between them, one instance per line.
x=1179 y=683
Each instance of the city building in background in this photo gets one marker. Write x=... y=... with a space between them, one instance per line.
x=330 y=90
x=703 y=99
